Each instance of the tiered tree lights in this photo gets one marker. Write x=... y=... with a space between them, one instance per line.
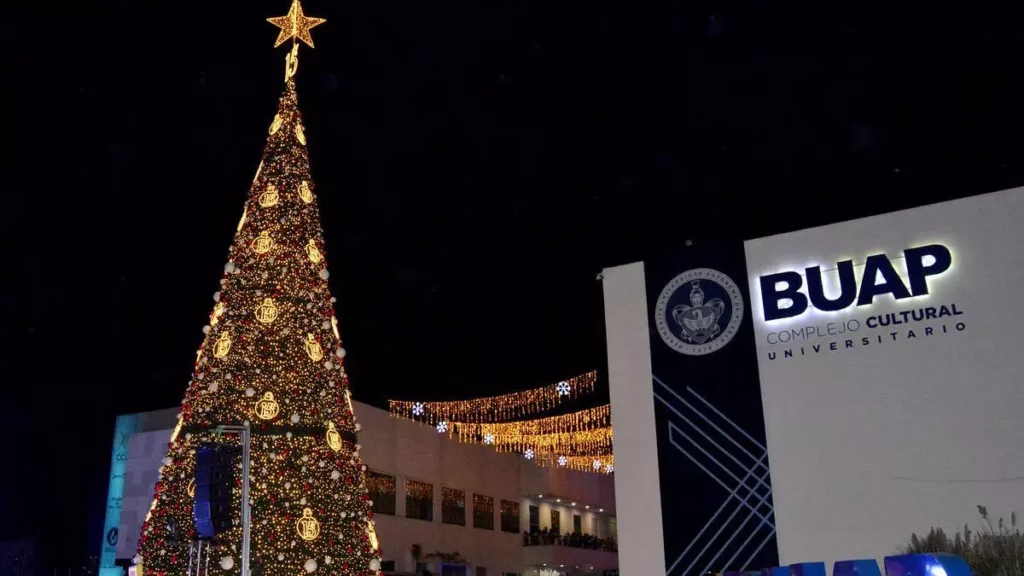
x=273 y=359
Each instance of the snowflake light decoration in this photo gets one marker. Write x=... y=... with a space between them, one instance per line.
x=528 y=453
x=442 y=426
x=563 y=388
x=597 y=464
x=608 y=469
x=562 y=460
x=418 y=409
x=488 y=438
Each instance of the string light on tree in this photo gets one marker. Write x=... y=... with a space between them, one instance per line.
x=333 y=438
x=267 y=311
x=267 y=408
x=313 y=252
x=222 y=346
x=270 y=197
x=305 y=194
x=308 y=527
x=262 y=243
x=313 y=348
x=273 y=314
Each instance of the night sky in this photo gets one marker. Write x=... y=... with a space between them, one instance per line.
x=477 y=163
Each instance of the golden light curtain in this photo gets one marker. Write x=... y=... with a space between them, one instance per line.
x=493 y=409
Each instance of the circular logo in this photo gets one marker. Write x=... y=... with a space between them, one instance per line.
x=112 y=537
x=699 y=311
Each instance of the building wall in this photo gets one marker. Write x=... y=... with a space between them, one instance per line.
x=407 y=450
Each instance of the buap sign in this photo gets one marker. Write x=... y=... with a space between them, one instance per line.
x=904 y=565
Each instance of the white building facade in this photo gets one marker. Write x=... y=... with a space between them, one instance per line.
x=442 y=497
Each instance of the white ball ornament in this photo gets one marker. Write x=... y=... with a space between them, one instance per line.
x=358 y=426
x=280 y=556
x=303 y=501
x=250 y=392
x=137 y=558
x=329 y=365
x=325 y=274
x=167 y=460
x=287 y=485
x=375 y=564
x=229 y=267
x=206 y=329
x=344 y=515
x=227 y=563
x=341 y=352
x=213 y=386
x=216 y=296
x=327 y=560
x=288 y=435
x=310 y=565
x=335 y=475
x=295 y=418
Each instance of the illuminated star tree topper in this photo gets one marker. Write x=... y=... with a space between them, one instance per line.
x=295 y=25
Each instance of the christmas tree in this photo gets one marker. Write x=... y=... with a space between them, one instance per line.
x=272 y=360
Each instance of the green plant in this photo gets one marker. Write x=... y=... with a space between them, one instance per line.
x=997 y=550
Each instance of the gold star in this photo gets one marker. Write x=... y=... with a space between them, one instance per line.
x=295 y=24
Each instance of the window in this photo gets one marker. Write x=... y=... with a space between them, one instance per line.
x=382 y=492
x=534 y=519
x=510 y=516
x=387 y=565
x=577 y=523
x=419 y=500
x=453 y=506
x=483 y=513
x=556 y=525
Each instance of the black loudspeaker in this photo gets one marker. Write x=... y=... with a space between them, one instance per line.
x=213 y=505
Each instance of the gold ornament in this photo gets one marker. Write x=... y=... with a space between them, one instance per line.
x=276 y=124
x=266 y=312
x=300 y=134
x=291 y=62
x=296 y=25
x=307 y=526
x=333 y=438
x=313 y=252
x=334 y=326
x=245 y=212
x=305 y=193
x=372 y=534
x=258 y=170
x=218 y=311
x=313 y=348
x=263 y=243
x=222 y=346
x=267 y=407
x=191 y=488
x=270 y=197
x=348 y=401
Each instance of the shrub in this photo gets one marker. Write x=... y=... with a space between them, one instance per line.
x=998 y=550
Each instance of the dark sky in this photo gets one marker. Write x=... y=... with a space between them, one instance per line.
x=478 y=163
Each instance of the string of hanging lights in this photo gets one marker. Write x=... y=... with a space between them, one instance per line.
x=494 y=409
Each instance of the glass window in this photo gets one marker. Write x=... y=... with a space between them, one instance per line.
x=556 y=524
x=453 y=506
x=577 y=523
x=483 y=512
x=419 y=500
x=510 y=516
x=382 y=492
x=534 y=518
